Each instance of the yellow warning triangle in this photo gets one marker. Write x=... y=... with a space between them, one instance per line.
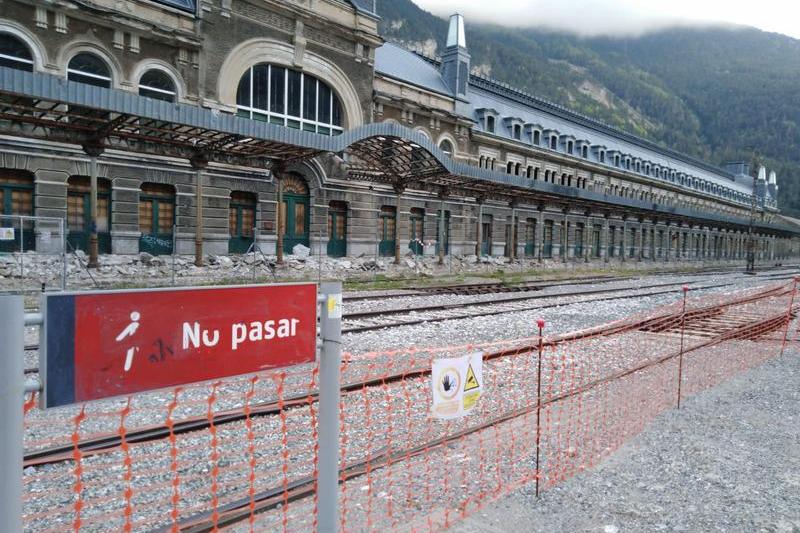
x=472 y=381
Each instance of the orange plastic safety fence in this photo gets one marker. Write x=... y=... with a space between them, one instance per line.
x=242 y=453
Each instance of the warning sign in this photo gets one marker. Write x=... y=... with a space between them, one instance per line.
x=457 y=385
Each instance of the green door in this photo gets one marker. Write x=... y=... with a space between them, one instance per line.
x=386 y=225
x=530 y=238
x=579 y=229
x=596 y=241
x=16 y=198
x=446 y=231
x=486 y=234
x=337 y=231
x=156 y=218
x=79 y=217
x=612 y=237
x=296 y=220
x=416 y=243
x=241 y=222
x=547 y=247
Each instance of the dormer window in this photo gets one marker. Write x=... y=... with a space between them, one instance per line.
x=602 y=156
x=585 y=152
x=517 y=131
x=638 y=167
x=647 y=169
x=537 y=137
x=616 y=161
x=489 y=123
x=628 y=163
x=570 y=145
x=554 y=142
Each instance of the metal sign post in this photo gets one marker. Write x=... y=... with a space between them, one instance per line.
x=329 y=378
x=12 y=388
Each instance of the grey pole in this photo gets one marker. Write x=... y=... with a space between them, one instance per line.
x=12 y=389
x=63 y=255
x=174 y=249
x=21 y=247
x=329 y=383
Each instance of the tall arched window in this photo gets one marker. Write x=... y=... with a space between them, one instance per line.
x=289 y=98
x=157 y=84
x=14 y=53
x=90 y=69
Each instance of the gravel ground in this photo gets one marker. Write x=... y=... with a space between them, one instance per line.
x=728 y=461
x=150 y=408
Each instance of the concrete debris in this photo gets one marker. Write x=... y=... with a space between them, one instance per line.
x=301 y=251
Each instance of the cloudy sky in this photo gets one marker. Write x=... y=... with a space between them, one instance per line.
x=624 y=17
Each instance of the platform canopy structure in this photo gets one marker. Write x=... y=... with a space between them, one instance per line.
x=47 y=107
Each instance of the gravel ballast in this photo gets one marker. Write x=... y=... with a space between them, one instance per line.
x=729 y=461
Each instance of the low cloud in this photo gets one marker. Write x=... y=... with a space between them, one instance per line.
x=623 y=18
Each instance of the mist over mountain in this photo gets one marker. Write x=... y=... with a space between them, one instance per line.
x=718 y=93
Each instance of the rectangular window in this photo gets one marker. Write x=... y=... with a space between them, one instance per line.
x=309 y=98
x=293 y=95
x=299 y=218
x=337 y=112
x=277 y=90
x=166 y=214
x=602 y=157
x=102 y=214
x=146 y=217
x=21 y=202
x=553 y=142
x=569 y=147
x=537 y=137
x=260 y=83
x=75 y=214
x=243 y=92
x=324 y=101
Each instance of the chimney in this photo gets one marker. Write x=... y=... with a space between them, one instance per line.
x=772 y=185
x=455 y=59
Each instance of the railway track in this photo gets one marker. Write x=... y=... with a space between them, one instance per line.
x=738 y=327
x=490 y=287
x=375 y=320
x=664 y=323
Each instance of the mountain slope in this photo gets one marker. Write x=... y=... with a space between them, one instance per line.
x=714 y=93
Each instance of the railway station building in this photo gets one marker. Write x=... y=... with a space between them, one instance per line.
x=181 y=125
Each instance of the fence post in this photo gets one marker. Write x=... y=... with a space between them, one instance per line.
x=680 y=355
x=174 y=246
x=539 y=323
x=789 y=315
x=21 y=247
x=330 y=363
x=12 y=389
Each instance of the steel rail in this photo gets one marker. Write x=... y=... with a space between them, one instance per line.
x=111 y=442
x=305 y=487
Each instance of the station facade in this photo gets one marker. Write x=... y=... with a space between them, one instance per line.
x=320 y=67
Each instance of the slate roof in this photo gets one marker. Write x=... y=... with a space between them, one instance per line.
x=484 y=93
x=398 y=63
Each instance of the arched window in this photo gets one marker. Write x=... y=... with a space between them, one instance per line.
x=481 y=162
x=289 y=98
x=516 y=169
x=509 y=167
x=446 y=147
x=157 y=84
x=529 y=172
x=14 y=53
x=89 y=69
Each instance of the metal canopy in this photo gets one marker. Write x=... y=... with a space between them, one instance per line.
x=48 y=107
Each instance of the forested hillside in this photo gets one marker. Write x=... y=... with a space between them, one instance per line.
x=715 y=93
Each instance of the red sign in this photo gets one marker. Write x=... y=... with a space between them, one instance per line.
x=118 y=343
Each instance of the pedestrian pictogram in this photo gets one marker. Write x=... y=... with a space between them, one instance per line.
x=472 y=381
x=128 y=332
